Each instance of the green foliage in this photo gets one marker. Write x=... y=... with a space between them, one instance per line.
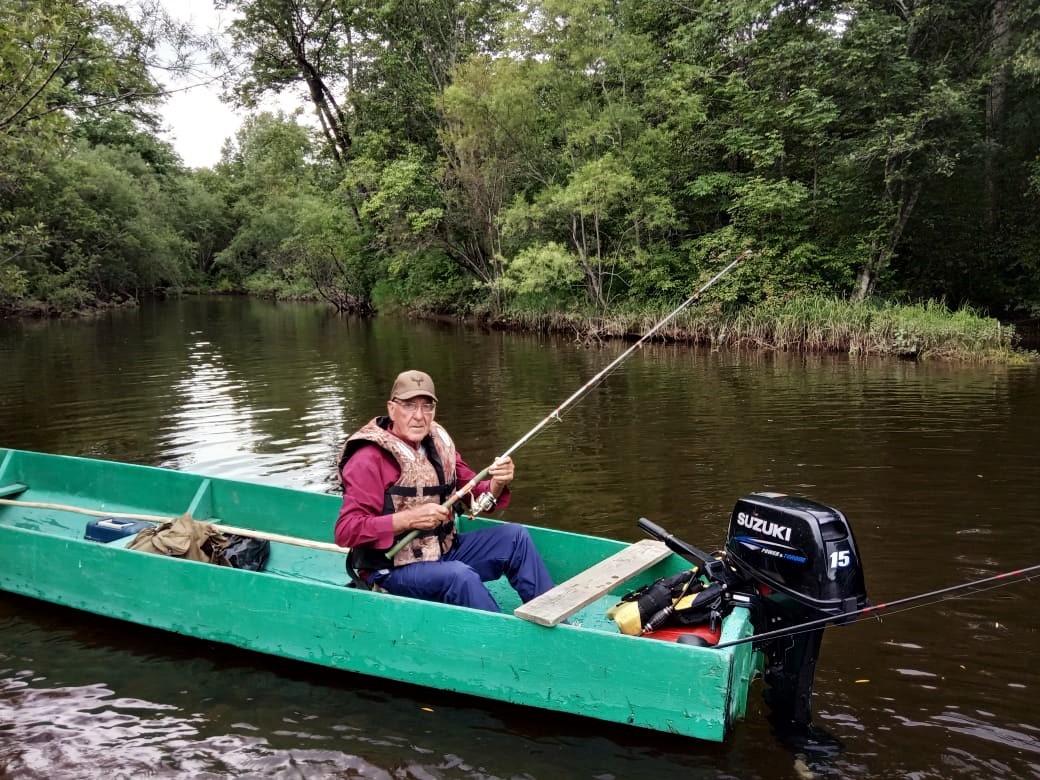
x=588 y=155
x=68 y=58
x=293 y=237
x=403 y=203
x=93 y=228
x=86 y=188
x=543 y=269
x=427 y=281
x=329 y=256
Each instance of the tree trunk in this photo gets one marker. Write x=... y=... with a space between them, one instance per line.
x=996 y=104
x=593 y=280
x=882 y=250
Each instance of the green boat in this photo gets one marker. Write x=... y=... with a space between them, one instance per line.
x=560 y=652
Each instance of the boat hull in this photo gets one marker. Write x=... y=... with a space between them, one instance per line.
x=298 y=608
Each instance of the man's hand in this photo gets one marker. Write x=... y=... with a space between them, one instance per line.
x=424 y=517
x=501 y=473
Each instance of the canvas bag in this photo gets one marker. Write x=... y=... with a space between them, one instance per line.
x=183 y=537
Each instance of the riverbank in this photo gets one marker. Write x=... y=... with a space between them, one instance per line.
x=923 y=331
x=817 y=324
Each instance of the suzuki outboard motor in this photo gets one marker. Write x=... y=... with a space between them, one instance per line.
x=802 y=563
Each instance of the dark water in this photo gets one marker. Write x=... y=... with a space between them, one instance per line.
x=936 y=466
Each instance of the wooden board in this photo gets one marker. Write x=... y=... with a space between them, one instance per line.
x=556 y=605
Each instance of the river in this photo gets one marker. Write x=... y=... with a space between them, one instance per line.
x=935 y=465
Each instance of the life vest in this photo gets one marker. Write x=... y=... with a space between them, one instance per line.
x=427 y=477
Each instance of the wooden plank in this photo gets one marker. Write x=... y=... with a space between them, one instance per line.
x=579 y=591
x=13 y=489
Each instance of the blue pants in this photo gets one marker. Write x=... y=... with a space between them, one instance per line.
x=477 y=557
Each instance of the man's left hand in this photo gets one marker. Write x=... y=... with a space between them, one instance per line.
x=501 y=473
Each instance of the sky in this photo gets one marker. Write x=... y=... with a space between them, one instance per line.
x=197 y=124
x=197 y=121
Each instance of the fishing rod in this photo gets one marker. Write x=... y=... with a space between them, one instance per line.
x=792 y=630
x=483 y=504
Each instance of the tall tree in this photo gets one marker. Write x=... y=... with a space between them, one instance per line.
x=910 y=104
x=596 y=180
x=285 y=43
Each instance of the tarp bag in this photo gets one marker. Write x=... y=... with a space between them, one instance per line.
x=683 y=599
x=183 y=537
x=245 y=552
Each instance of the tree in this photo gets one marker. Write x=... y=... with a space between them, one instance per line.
x=491 y=144
x=328 y=252
x=292 y=235
x=910 y=109
x=595 y=170
x=85 y=185
x=267 y=168
x=308 y=42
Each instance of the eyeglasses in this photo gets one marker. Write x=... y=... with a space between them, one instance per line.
x=426 y=407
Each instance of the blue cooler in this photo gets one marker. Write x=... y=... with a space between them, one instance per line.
x=108 y=529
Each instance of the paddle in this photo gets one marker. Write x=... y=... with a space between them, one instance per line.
x=225 y=529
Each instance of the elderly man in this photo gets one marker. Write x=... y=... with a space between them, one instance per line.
x=396 y=472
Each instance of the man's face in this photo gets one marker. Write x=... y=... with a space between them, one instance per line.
x=412 y=418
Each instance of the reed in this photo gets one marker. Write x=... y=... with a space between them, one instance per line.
x=925 y=330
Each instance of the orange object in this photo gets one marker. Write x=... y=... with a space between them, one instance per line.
x=672 y=634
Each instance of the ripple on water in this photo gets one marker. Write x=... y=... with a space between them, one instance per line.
x=90 y=727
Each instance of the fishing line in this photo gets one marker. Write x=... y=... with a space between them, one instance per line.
x=879 y=618
x=1000 y=580
x=583 y=390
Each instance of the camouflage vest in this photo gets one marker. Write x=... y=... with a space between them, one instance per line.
x=427 y=476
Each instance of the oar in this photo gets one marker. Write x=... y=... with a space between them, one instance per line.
x=226 y=529
x=466 y=489
x=792 y=630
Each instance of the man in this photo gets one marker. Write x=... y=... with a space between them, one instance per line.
x=396 y=472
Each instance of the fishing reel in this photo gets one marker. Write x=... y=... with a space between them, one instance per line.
x=483 y=503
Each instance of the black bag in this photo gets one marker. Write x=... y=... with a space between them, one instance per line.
x=246 y=552
x=683 y=599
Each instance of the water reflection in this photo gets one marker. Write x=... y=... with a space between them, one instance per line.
x=208 y=427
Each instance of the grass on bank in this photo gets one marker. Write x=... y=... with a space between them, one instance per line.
x=813 y=324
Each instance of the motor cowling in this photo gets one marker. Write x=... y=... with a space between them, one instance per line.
x=799 y=548
x=801 y=563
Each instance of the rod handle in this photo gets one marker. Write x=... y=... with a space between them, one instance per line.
x=653 y=529
x=462 y=492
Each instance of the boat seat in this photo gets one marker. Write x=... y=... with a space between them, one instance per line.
x=556 y=605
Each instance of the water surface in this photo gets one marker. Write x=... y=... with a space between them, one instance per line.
x=935 y=464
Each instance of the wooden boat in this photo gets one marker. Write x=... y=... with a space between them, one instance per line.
x=299 y=608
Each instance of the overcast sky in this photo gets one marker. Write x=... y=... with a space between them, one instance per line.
x=197 y=121
x=197 y=124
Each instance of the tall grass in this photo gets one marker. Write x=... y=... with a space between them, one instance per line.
x=812 y=324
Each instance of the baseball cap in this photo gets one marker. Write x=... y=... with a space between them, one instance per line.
x=410 y=384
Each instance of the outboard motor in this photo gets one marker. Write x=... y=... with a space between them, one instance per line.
x=802 y=562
